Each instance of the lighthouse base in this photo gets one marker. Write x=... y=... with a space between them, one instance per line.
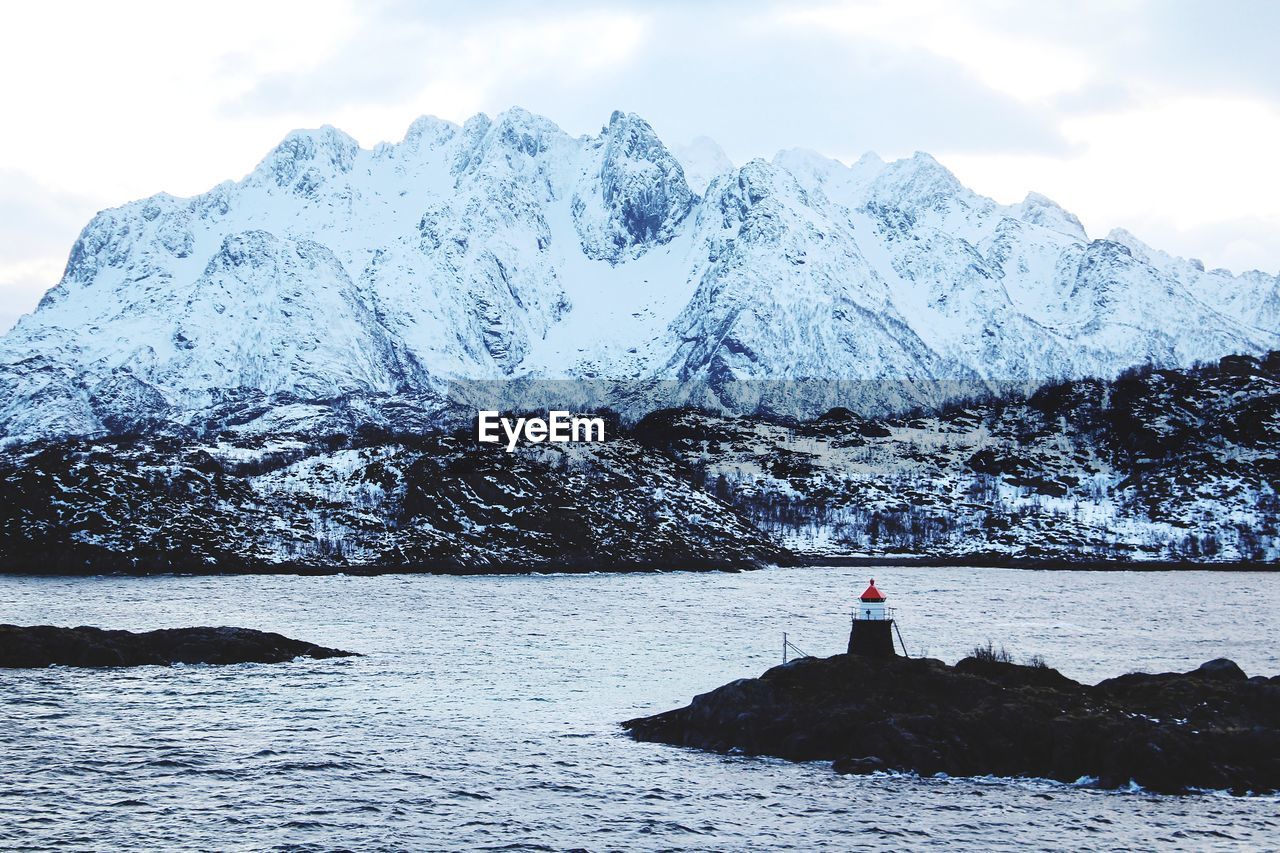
x=872 y=637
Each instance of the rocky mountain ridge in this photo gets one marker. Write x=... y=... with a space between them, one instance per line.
x=340 y=283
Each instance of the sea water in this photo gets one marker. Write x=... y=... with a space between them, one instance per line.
x=484 y=713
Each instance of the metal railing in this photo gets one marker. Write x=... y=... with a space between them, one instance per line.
x=787 y=645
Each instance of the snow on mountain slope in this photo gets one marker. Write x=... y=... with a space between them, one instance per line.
x=825 y=311
x=335 y=282
x=1252 y=298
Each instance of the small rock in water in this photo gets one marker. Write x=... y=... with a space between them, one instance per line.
x=859 y=766
x=1221 y=668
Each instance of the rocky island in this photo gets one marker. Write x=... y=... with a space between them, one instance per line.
x=1211 y=728
x=47 y=645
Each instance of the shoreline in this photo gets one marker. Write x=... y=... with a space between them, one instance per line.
x=113 y=568
x=1056 y=564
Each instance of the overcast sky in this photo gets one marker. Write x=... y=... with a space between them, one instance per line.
x=1162 y=117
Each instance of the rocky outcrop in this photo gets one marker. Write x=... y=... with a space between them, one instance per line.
x=1210 y=728
x=46 y=645
x=641 y=189
x=370 y=501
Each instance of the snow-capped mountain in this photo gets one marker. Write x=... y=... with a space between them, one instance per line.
x=335 y=283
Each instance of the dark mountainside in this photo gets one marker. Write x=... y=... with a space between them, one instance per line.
x=46 y=645
x=1211 y=728
x=1157 y=466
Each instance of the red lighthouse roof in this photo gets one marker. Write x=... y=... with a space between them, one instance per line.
x=872 y=594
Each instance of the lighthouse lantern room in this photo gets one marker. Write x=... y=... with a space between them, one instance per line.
x=871 y=604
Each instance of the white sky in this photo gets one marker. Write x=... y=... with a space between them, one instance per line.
x=1162 y=117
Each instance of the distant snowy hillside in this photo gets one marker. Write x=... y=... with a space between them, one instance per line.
x=1155 y=466
x=338 y=285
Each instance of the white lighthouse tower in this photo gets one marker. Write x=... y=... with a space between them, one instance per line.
x=872 y=629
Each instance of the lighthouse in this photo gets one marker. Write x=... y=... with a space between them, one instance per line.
x=872 y=631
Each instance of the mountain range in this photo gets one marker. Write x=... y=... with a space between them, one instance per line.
x=336 y=286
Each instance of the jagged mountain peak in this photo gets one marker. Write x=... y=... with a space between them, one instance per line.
x=513 y=137
x=919 y=182
x=760 y=194
x=1125 y=236
x=807 y=161
x=628 y=138
x=429 y=131
x=870 y=160
x=325 y=148
x=1130 y=241
x=621 y=121
x=1041 y=210
x=635 y=198
x=476 y=126
x=839 y=182
x=524 y=131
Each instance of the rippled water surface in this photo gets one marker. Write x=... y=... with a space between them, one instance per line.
x=485 y=712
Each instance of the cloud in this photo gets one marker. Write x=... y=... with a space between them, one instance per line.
x=404 y=52
x=1187 y=47
x=758 y=88
x=35 y=222
x=763 y=82
x=21 y=286
x=1225 y=47
x=1159 y=114
x=31 y=214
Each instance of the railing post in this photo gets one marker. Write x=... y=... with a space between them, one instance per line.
x=905 y=654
